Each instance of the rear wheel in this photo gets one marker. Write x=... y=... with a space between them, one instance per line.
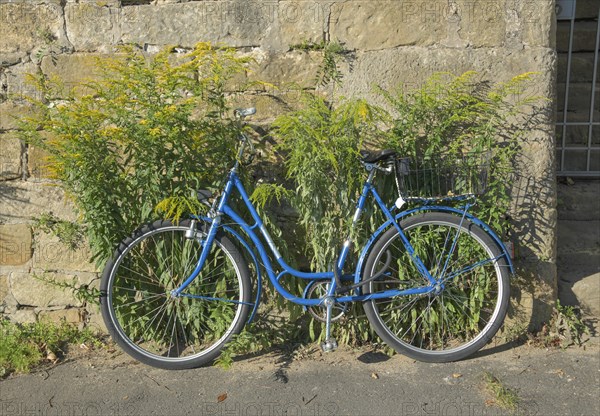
x=162 y=330
x=468 y=309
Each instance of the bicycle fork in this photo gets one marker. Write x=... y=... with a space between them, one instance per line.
x=206 y=248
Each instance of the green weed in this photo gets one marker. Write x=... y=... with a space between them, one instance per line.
x=25 y=346
x=69 y=233
x=502 y=396
x=82 y=292
x=147 y=130
x=566 y=328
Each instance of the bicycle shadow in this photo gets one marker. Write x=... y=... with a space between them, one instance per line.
x=373 y=357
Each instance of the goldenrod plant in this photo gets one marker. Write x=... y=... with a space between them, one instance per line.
x=150 y=128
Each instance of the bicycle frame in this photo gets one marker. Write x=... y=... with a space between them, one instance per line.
x=224 y=209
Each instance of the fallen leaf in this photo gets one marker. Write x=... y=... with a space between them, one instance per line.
x=222 y=397
x=374 y=376
x=456 y=375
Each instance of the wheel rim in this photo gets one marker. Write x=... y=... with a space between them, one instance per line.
x=166 y=328
x=458 y=316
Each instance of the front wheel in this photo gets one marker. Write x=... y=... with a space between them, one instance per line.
x=166 y=331
x=463 y=313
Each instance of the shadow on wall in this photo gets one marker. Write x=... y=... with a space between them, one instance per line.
x=9 y=196
x=534 y=222
x=578 y=259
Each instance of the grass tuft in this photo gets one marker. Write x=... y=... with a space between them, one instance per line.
x=502 y=396
x=26 y=346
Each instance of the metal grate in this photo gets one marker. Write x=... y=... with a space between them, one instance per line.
x=578 y=126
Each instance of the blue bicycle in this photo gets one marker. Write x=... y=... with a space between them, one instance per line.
x=433 y=279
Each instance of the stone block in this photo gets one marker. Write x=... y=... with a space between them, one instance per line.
x=538 y=23
x=10 y=157
x=273 y=25
x=52 y=254
x=92 y=25
x=11 y=112
x=534 y=219
x=31 y=291
x=477 y=24
x=12 y=58
x=71 y=316
x=269 y=104
x=459 y=23
x=519 y=313
x=410 y=67
x=26 y=25
x=541 y=275
x=73 y=70
x=372 y=25
x=37 y=163
x=235 y=23
x=95 y=321
x=4 y=290
x=283 y=70
x=22 y=201
x=15 y=244
x=9 y=302
x=23 y=316
x=19 y=86
x=587 y=292
x=297 y=21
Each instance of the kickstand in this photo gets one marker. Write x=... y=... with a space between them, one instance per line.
x=330 y=344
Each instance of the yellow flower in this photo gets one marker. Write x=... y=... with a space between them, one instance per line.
x=110 y=130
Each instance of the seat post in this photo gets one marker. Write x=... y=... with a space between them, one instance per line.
x=371 y=175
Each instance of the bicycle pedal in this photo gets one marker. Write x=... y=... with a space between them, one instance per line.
x=329 y=345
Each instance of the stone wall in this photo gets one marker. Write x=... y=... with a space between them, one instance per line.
x=394 y=42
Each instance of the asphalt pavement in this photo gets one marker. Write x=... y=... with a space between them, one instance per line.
x=346 y=382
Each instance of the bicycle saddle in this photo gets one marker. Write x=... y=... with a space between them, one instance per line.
x=204 y=195
x=378 y=155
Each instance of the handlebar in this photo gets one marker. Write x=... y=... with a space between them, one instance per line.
x=240 y=114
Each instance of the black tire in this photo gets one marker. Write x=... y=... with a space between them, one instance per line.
x=174 y=332
x=462 y=317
